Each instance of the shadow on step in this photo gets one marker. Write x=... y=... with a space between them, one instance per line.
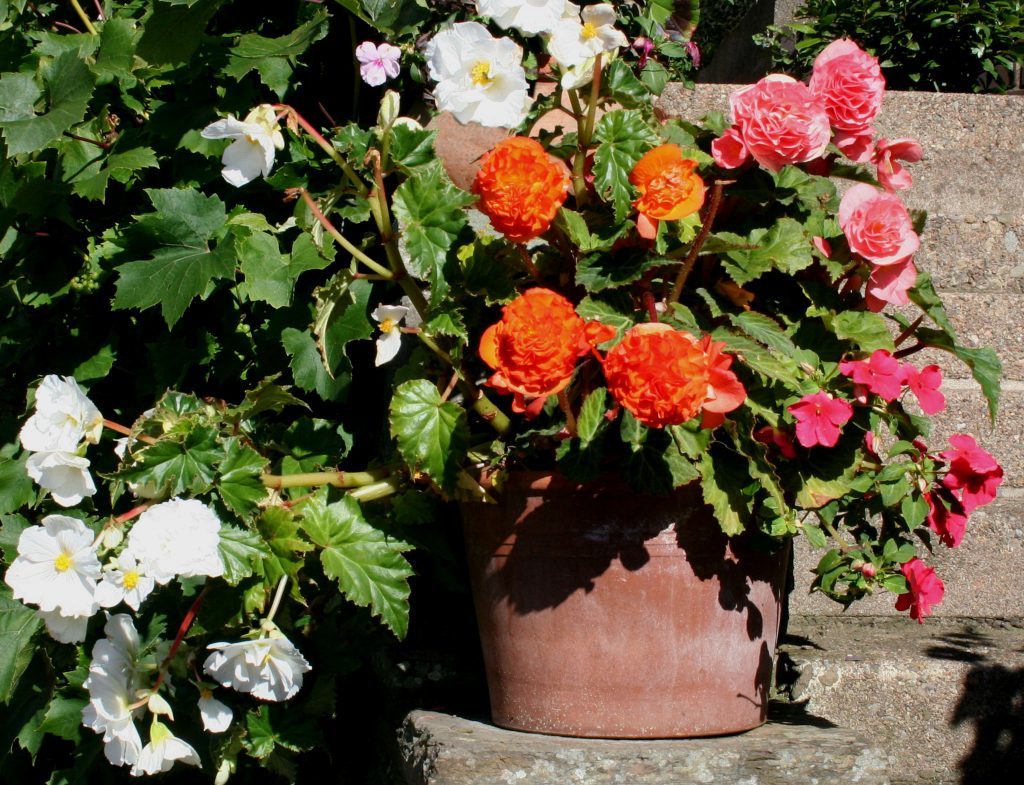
x=782 y=713
x=992 y=700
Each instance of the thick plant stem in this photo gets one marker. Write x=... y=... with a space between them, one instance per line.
x=705 y=230
x=595 y=94
x=316 y=479
x=570 y=418
x=579 y=163
x=485 y=407
x=124 y=429
x=278 y=595
x=342 y=241
x=378 y=490
x=85 y=19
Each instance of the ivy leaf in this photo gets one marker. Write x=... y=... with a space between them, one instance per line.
x=722 y=479
x=432 y=434
x=267 y=396
x=368 y=566
x=270 y=727
x=177 y=467
x=16 y=489
x=429 y=210
x=274 y=58
x=345 y=321
x=121 y=166
x=183 y=265
x=784 y=247
x=18 y=623
x=623 y=137
x=238 y=550
x=238 y=478
x=173 y=31
x=63 y=718
x=69 y=86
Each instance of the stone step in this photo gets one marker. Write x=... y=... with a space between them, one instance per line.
x=974 y=253
x=981 y=576
x=946 y=698
x=973 y=144
x=439 y=749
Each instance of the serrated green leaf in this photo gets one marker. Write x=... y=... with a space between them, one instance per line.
x=274 y=58
x=600 y=271
x=341 y=321
x=613 y=309
x=923 y=294
x=239 y=549
x=11 y=527
x=985 y=365
x=117 y=49
x=270 y=727
x=16 y=489
x=279 y=529
x=267 y=396
x=868 y=330
x=173 y=31
x=368 y=566
x=759 y=359
x=308 y=369
x=591 y=417
x=623 y=136
x=765 y=330
x=63 y=718
x=177 y=467
x=658 y=466
x=721 y=480
x=815 y=536
x=267 y=273
x=238 y=478
x=432 y=434
x=18 y=623
x=412 y=147
x=624 y=87
x=784 y=246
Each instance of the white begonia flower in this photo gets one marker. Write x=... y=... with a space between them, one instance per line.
x=268 y=668
x=216 y=716
x=257 y=137
x=65 y=629
x=179 y=537
x=113 y=686
x=527 y=16
x=64 y=416
x=390 y=340
x=56 y=567
x=480 y=79
x=162 y=751
x=64 y=474
x=575 y=44
x=124 y=580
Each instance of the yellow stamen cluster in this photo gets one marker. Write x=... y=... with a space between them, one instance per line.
x=481 y=74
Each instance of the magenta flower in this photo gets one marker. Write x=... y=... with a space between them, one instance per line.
x=643 y=48
x=974 y=475
x=926 y=589
x=819 y=419
x=925 y=385
x=949 y=523
x=880 y=374
x=377 y=63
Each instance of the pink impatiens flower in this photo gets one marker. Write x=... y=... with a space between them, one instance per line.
x=974 y=475
x=949 y=523
x=819 y=419
x=377 y=63
x=880 y=374
x=925 y=385
x=926 y=590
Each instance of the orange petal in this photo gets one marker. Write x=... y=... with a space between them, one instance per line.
x=647 y=227
x=654 y=162
x=489 y=345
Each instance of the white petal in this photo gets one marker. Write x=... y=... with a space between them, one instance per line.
x=64 y=629
x=225 y=128
x=243 y=162
x=216 y=716
x=388 y=345
x=393 y=312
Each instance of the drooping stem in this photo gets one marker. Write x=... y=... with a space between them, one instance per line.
x=316 y=479
x=124 y=429
x=909 y=331
x=183 y=629
x=843 y=545
x=595 y=93
x=378 y=490
x=570 y=418
x=327 y=147
x=278 y=595
x=702 y=235
x=82 y=15
x=342 y=241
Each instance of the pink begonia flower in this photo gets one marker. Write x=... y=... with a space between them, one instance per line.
x=880 y=374
x=974 y=475
x=925 y=385
x=780 y=121
x=729 y=151
x=377 y=63
x=926 y=590
x=877 y=225
x=781 y=440
x=849 y=82
x=890 y=284
x=858 y=146
x=891 y=175
x=949 y=523
x=819 y=419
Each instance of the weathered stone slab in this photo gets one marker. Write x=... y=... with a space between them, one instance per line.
x=982 y=576
x=974 y=253
x=945 y=697
x=439 y=749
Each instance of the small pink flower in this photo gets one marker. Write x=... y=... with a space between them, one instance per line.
x=891 y=175
x=781 y=440
x=819 y=419
x=856 y=145
x=880 y=374
x=877 y=225
x=694 y=51
x=889 y=284
x=377 y=63
x=729 y=151
x=926 y=589
x=850 y=84
x=974 y=475
x=643 y=47
x=925 y=385
x=780 y=121
x=949 y=523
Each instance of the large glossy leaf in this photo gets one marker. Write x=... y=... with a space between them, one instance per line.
x=432 y=434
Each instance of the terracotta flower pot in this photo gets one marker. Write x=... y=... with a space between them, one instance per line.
x=604 y=613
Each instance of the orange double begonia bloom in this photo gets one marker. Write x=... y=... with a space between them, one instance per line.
x=669 y=187
x=521 y=188
x=534 y=348
x=664 y=376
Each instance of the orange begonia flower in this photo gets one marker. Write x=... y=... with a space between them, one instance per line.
x=521 y=188
x=669 y=187
x=664 y=376
x=534 y=348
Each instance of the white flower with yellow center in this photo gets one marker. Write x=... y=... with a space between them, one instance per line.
x=113 y=691
x=390 y=318
x=575 y=43
x=56 y=567
x=527 y=16
x=268 y=668
x=162 y=751
x=64 y=474
x=480 y=79
x=64 y=416
x=257 y=137
x=124 y=581
x=179 y=537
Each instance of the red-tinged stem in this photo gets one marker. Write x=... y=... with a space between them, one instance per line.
x=132 y=513
x=87 y=140
x=909 y=331
x=183 y=629
x=124 y=429
x=341 y=239
x=917 y=347
x=326 y=146
x=702 y=235
x=531 y=268
x=652 y=310
x=570 y=418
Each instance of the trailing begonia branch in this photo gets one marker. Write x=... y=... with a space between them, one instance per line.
x=125 y=430
x=316 y=479
x=342 y=240
x=327 y=147
x=702 y=235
